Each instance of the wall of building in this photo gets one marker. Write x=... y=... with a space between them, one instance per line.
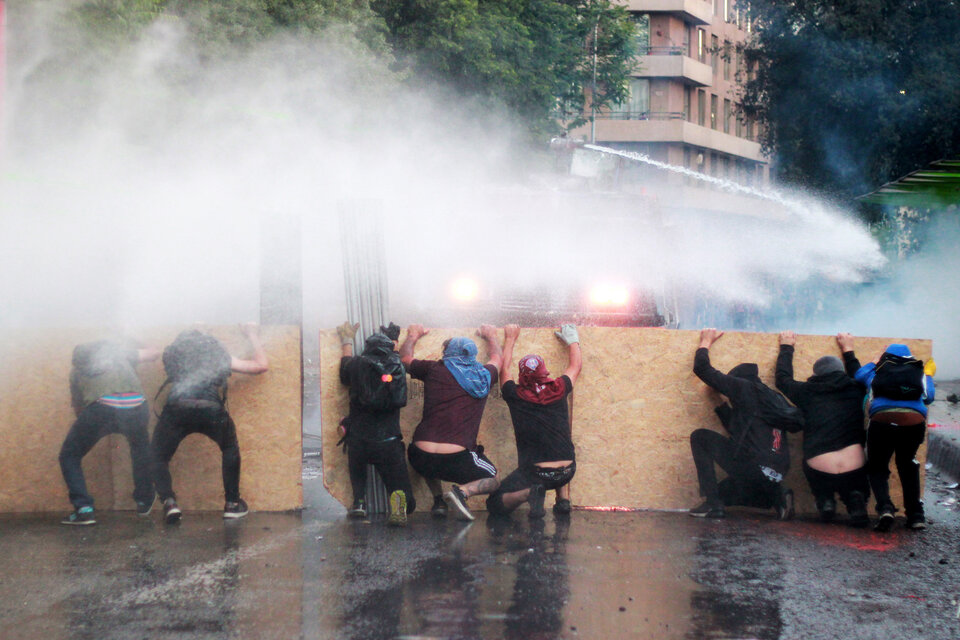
x=35 y=416
x=634 y=407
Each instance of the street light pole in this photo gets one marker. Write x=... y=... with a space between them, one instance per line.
x=593 y=90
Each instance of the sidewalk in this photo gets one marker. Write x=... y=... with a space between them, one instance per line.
x=943 y=442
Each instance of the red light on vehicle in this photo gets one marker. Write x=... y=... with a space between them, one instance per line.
x=465 y=289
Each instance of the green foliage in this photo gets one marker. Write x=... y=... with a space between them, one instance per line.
x=534 y=56
x=854 y=93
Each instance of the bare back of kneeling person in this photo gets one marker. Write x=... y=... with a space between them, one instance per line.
x=444 y=445
x=541 y=425
x=833 y=434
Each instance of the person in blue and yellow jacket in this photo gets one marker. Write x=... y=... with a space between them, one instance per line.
x=899 y=388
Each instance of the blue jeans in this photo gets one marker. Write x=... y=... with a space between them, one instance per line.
x=94 y=422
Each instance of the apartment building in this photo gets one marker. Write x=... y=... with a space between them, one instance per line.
x=683 y=104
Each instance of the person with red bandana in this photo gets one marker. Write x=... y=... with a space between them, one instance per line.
x=541 y=424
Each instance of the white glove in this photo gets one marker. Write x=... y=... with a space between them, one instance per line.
x=567 y=334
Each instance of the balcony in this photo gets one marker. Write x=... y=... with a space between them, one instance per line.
x=671 y=127
x=670 y=62
x=694 y=11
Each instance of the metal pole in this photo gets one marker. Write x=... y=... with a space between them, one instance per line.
x=593 y=91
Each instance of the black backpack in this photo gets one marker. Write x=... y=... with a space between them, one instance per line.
x=776 y=411
x=898 y=378
x=380 y=382
x=195 y=360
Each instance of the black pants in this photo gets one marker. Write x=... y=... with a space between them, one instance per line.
x=886 y=440
x=94 y=422
x=824 y=485
x=746 y=485
x=388 y=458
x=551 y=478
x=176 y=423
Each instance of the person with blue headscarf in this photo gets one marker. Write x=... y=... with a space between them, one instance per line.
x=899 y=388
x=455 y=390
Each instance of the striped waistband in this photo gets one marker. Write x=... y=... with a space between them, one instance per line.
x=123 y=400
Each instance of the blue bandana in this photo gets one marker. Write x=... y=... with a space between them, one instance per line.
x=460 y=358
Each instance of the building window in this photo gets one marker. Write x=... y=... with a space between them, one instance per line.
x=687 y=107
x=637 y=104
x=727 y=5
x=701 y=107
x=701 y=45
x=726 y=116
x=717 y=6
x=739 y=126
x=727 y=59
x=713 y=111
x=641 y=33
x=715 y=54
x=749 y=128
x=726 y=166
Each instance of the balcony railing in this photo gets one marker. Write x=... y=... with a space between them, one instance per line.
x=667 y=51
x=642 y=115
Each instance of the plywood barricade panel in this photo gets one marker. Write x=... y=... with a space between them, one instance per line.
x=633 y=408
x=35 y=416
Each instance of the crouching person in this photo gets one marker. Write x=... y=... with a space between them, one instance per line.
x=378 y=388
x=197 y=367
x=541 y=424
x=107 y=398
x=756 y=458
x=444 y=445
x=899 y=389
x=833 y=434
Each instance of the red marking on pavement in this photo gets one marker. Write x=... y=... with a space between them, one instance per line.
x=835 y=536
x=606 y=509
x=921 y=599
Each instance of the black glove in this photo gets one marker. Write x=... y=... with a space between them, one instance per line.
x=392 y=331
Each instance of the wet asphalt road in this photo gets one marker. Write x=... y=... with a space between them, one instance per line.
x=595 y=575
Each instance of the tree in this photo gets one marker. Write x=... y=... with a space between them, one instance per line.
x=851 y=94
x=533 y=56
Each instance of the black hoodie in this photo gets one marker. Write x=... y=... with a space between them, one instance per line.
x=764 y=443
x=832 y=404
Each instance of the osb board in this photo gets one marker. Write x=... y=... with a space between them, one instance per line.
x=35 y=416
x=634 y=406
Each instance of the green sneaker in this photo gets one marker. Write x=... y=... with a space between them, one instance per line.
x=81 y=517
x=398 y=509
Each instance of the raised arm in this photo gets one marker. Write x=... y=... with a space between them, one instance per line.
x=414 y=333
x=346 y=332
x=489 y=334
x=727 y=385
x=784 y=373
x=259 y=362
x=850 y=362
x=569 y=336
x=510 y=334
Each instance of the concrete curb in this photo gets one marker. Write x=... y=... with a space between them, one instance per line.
x=943 y=439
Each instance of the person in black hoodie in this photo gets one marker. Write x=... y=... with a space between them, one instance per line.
x=833 y=434
x=756 y=457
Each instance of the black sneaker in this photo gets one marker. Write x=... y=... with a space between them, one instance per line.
x=886 y=520
x=80 y=517
x=439 y=509
x=171 y=512
x=827 y=509
x=916 y=521
x=785 y=508
x=144 y=508
x=236 y=509
x=458 y=502
x=562 y=508
x=857 y=509
x=708 y=510
x=398 y=509
x=358 y=510
x=535 y=500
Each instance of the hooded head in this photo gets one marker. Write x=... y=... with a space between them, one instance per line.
x=460 y=359
x=827 y=364
x=746 y=371
x=535 y=384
